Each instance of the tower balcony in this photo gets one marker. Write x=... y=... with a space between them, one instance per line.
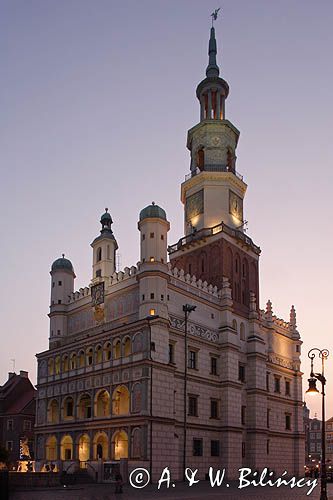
x=213 y=168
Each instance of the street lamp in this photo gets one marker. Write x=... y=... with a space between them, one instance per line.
x=323 y=355
x=187 y=308
x=149 y=319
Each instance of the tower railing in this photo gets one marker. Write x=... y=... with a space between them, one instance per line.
x=213 y=168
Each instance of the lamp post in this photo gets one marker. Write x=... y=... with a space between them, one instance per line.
x=323 y=355
x=187 y=308
x=149 y=319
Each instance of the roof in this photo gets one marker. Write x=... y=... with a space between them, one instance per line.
x=152 y=212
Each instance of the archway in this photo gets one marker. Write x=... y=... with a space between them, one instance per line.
x=102 y=403
x=66 y=448
x=121 y=401
x=84 y=448
x=120 y=442
x=84 y=409
x=68 y=408
x=53 y=412
x=51 y=448
x=101 y=446
x=127 y=347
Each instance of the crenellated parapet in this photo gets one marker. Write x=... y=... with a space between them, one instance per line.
x=194 y=283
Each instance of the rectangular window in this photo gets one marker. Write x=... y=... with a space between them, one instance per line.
x=213 y=366
x=59 y=301
x=268 y=417
x=98 y=273
x=277 y=384
x=193 y=406
x=10 y=425
x=27 y=425
x=241 y=372
x=267 y=446
x=152 y=295
x=143 y=237
x=298 y=348
x=243 y=449
x=197 y=447
x=214 y=448
x=68 y=454
x=192 y=360
x=162 y=297
x=214 y=408
x=152 y=235
x=59 y=283
x=288 y=422
x=243 y=415
x=287 y=388
x=267 y=381
x=162 y=237
x=9 y=445
x=171 y=353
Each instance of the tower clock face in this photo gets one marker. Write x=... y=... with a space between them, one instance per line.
x=97 y=294
x=194 y=205
x=236 y=205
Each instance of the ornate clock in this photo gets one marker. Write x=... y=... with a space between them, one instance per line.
x=236 y=205
x=194 y=205
x=97 y=294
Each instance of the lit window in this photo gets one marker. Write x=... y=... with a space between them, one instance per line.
x=152 y=259
x=152 y=312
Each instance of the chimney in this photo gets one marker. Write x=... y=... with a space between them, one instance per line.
x=11 y=375
x=24 y=374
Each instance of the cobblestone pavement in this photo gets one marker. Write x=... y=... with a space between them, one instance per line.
x=202 y=491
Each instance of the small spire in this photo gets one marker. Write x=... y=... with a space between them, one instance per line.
x=212 y=68
x=63 y=255
x=293 y=317
x=106 y=210
x=269 y=310
x=153 y=203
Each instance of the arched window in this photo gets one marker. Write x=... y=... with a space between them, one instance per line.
x=51 y=448
x=65 y=363
x=120 y=445
x=99 y=254
x=84 y=448
x=66 y=448
x=127 y=347
x=102 y=403
x=72 y=362
x=81 y=359
x=51 y=366
x=68 y=408
x=120 y=401
x=57 y=365
x=201 y=159
x=89 y=356
x=234 y=325
x=101 y=446
x=117 y=350
x=242 y=331
x=53 y=412
x=99 y=354
x=107 y=351
x=84 y=407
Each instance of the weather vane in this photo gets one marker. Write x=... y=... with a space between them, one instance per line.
x=214 y=15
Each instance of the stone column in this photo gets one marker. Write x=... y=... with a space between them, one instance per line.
x=202 y=108
x=218 y=105
x=209 y=110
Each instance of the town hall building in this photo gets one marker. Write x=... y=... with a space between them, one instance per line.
x=171 y=362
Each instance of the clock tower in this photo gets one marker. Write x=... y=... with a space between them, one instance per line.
x=215 y=244
x=213 y=191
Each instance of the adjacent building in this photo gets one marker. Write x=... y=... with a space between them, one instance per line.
x=17 y=416
x=132 y=374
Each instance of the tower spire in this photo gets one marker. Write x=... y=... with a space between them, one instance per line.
x=212 y=68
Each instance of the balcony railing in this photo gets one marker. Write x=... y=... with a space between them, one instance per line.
x=213 y=168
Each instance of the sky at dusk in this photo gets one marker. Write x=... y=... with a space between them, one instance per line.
x=96 y=100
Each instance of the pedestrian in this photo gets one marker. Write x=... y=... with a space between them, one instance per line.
x=119 y=483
